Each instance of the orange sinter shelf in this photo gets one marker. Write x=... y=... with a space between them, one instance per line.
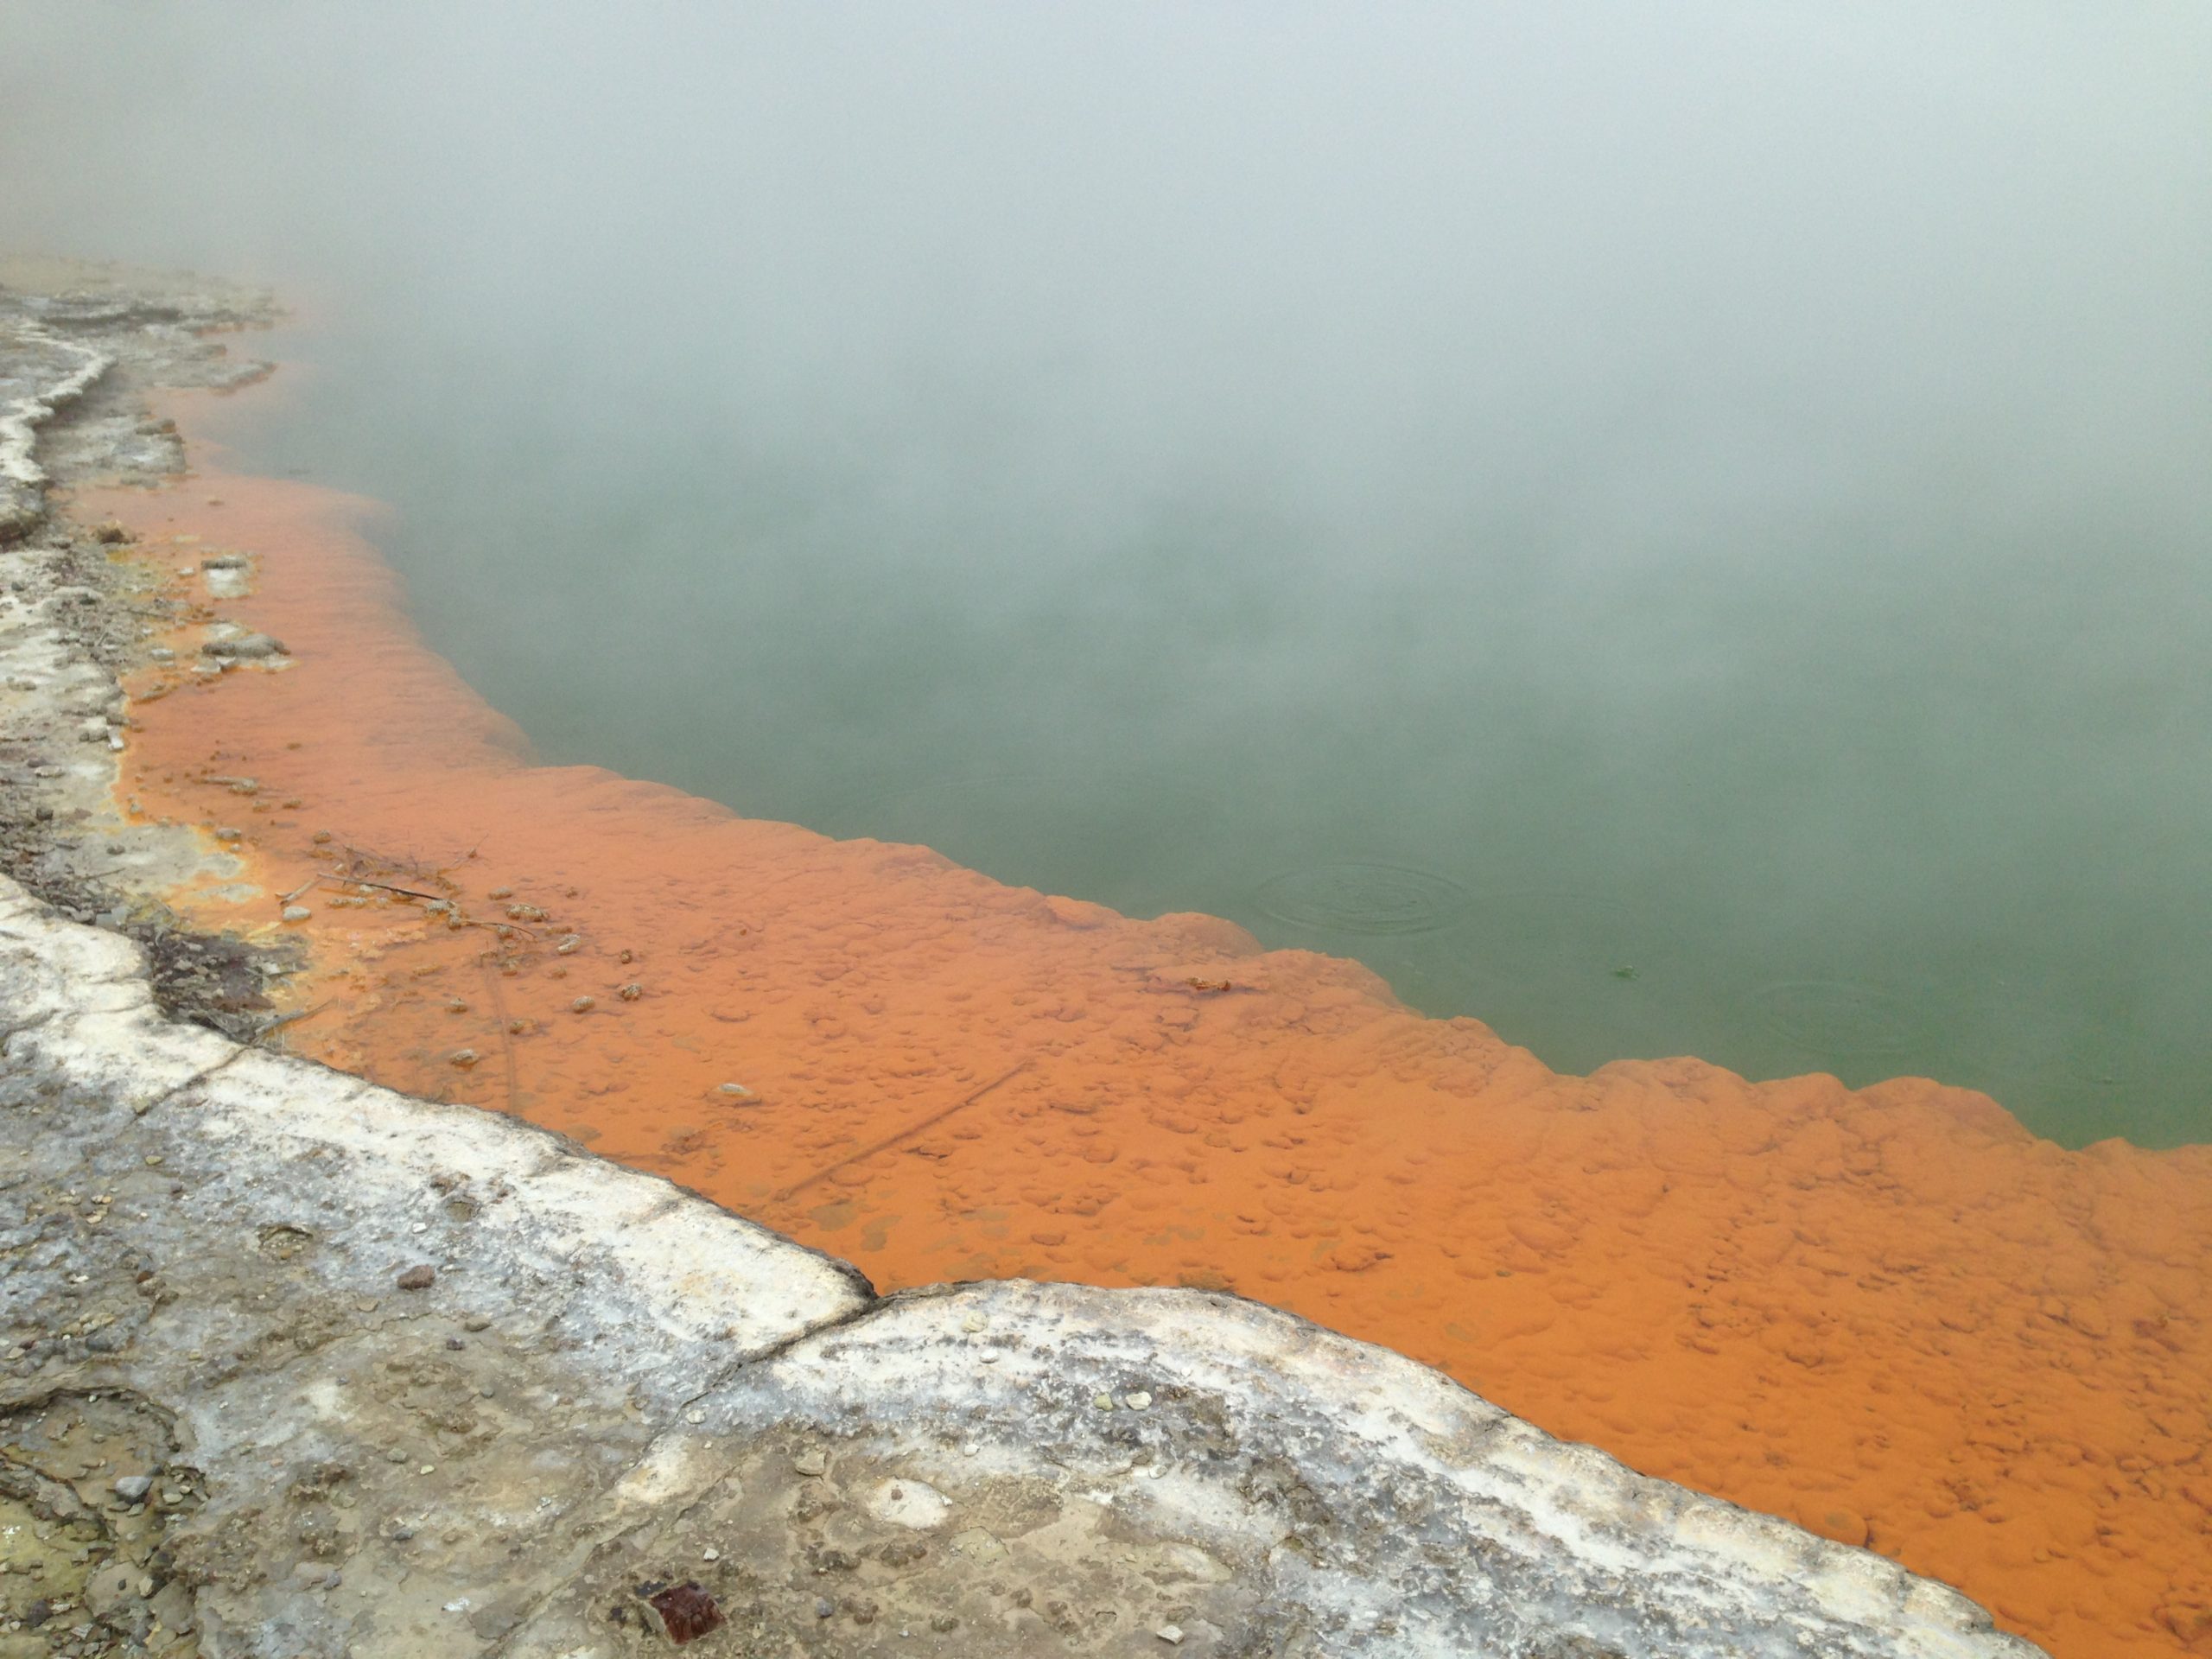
x=1891 y=1315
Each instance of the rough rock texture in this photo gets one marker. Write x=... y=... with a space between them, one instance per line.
x=602 y=1383
x=291 y=1365
x=93 y=342
x=38 y=373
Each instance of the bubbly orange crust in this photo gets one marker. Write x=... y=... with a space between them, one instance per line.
x=1890 y=1314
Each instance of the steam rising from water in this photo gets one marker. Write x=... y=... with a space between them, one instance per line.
x=1734 y=470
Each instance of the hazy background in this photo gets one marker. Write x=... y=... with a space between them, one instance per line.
x=1668 y=528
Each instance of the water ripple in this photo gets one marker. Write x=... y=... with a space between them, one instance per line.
x=1355 y=896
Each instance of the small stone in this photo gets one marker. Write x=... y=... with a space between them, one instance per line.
x=322 y=837
x=687 y=1611
x=1171 y=1634
x=914 y=1504
x=224 y=832
x=631 y=992
x=419 y=1277
x=501 y=892
x=244 y=647
x=567 y=944
x=825 y=1608
x=1103 y=1401
x=463 y=1057
x=1137 y=1401
x=734 y=1091
x=172 y=1604
x=133 y=1488
x=296 y=912
x=583 y=1005
x=809 y=1461
x=710 y=1553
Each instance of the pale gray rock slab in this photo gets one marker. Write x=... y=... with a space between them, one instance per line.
x=1012 y=1468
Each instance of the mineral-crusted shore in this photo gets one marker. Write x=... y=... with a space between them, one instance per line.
x=301 y=1366
x=298 y=1365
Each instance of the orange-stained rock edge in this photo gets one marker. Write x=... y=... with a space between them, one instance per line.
x=1890 y=1314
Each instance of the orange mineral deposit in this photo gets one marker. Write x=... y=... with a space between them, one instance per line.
x=1890 y=1314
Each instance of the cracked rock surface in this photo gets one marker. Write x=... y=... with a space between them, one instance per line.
x=293 y=1365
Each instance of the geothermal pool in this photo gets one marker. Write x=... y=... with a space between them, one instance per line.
x=1891 y=1314
x=1797 y=750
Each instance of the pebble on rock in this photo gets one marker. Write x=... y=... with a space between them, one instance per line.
x=687 y=1611
x=244 y=647
x=296 y=912
x=419 y=1277
x=133 y=1488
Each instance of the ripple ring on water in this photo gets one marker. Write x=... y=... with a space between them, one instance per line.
x=1355 y=896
